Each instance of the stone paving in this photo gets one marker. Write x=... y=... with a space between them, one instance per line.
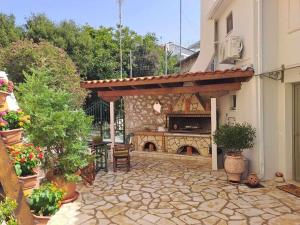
x=170 y=192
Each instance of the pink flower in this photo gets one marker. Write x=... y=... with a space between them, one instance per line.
x=3 y=113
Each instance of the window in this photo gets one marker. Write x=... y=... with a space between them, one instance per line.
x=233 y=102
x=229 y=21
x=294 y=15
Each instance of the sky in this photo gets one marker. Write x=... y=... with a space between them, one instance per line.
x=143 y=16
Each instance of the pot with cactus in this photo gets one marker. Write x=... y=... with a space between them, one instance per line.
x=234 y=139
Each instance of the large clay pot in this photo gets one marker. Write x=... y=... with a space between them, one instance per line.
x=10 y=137
x=41 y=220
x=69 y=188
x=234 y=166
x=3 y=96
x=29 y=182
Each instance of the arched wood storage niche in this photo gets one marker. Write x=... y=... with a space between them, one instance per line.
x=187 y=150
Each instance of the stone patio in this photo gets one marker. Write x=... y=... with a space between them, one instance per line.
x=170 y=192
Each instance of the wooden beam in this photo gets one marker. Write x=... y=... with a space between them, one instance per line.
x=12 y=187
x=198 y=76
x=109 y=98
x=174 y=90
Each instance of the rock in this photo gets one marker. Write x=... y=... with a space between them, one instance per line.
x=213 y=205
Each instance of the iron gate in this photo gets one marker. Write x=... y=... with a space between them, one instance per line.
x=100 y=111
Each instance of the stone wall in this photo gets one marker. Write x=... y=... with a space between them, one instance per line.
x=139 y=113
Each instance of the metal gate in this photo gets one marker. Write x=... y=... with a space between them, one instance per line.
x=99 y=110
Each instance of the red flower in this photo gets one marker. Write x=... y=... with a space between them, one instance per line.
x=31 y=155
x=41 y=155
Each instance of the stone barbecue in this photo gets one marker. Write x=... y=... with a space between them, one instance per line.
x=182 y=127
x=172 y=142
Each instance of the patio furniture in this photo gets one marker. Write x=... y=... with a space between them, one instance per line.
x=121 y=154
x=100 y=151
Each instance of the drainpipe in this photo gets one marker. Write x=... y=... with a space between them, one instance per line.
x=259 y=90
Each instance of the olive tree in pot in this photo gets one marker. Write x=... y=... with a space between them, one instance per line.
x=58 y=126
x=234 y=139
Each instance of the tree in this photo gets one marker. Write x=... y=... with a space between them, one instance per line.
x=55 y=123
x=23 y=56
x=8 y=30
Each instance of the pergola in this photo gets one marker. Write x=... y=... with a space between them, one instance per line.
x=212 y=84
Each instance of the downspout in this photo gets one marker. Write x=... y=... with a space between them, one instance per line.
x=259 y=89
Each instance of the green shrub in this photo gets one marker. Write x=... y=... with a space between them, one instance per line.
x=55 y=124
x=7 y=208
x=46 y=200
x=235 y=138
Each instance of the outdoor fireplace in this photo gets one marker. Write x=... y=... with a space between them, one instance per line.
x=199 y=123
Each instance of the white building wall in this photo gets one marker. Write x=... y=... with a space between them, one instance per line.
x=280 y=45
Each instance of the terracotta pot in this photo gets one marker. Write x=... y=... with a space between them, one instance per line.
x=68 y=187
x=3 y=95
x=234 y=166
x=41 y=220
x=29 y=182
x=253 y=180
x=10 y=137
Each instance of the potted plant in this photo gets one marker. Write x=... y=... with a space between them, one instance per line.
x=7 y=208
x=45 y=202
x=234 y=139
x=26 y=159
x=6 y=87
x=58 y=127
x=11 y=126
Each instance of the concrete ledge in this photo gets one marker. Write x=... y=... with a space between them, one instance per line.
x=161 y=155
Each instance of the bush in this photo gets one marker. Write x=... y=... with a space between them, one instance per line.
x=7 y=208
x=56 y=125
x=22 y=56
x=46 y=200
x=235 y=138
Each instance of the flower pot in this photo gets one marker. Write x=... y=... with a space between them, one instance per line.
x=234 y=166
x=68 y=187
x=10 y=137
x=3 y=95
x=41 y=220
x=29 y=182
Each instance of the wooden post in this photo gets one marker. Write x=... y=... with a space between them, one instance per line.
x=12 y=187
x=213 y=129
x=112 y=128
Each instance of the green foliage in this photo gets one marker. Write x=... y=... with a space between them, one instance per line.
x=8 y=30
x=235 y=138
x=23 y=56
x=55 y=124
x=13 y=120
x=96 y=50
x=7 y=208
x=46 y=200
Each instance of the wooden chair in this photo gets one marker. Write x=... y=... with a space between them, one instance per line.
x=121 y=156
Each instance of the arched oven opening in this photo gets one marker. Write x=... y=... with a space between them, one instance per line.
x=150 y=147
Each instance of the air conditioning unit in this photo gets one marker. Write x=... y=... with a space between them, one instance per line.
x=230 y=50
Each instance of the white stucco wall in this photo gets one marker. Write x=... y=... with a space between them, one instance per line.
x=280 y=45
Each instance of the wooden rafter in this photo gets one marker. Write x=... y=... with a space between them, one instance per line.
x=201 y=89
